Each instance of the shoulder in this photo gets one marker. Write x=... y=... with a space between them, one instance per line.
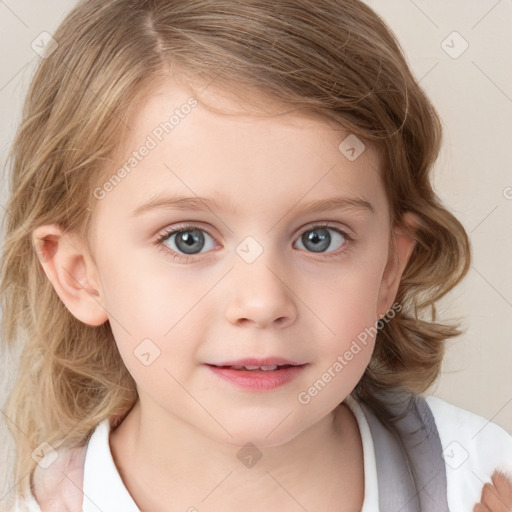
x=473 y=447
x=470 y=430
x=58 y=487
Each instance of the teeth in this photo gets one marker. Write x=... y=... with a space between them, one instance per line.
x=265 y=368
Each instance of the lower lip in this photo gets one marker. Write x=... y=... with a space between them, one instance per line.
x=258 y=380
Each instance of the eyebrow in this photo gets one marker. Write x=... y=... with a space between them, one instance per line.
x=197 y=203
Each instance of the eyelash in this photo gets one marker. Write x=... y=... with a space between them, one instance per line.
x=189 y=227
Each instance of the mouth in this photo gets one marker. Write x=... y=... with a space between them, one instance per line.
x=257 y=377
x=253 y=368
x=253 y=363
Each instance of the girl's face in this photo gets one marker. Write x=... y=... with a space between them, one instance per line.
x=251 y=275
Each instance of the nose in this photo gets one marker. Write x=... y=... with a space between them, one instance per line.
x=260 y=296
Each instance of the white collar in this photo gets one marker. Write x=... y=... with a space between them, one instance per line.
x=103 y=487
x=371 y=490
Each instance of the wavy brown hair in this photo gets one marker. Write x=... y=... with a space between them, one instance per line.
x=335 y=58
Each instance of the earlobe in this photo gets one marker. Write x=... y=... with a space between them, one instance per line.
x=67 y=264
x=402 y=245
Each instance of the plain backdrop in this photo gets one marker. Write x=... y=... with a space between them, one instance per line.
x=461 y=52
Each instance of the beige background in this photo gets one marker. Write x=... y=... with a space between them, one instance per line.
x=473 y=94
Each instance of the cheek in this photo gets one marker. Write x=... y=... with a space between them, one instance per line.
x=346 y=303
x=345 y=340
x=348 y=295
x=151 y=313
x=144 y=295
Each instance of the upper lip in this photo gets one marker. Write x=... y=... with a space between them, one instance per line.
x=251 y=361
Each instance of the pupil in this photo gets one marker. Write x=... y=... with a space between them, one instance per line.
x=188 y=239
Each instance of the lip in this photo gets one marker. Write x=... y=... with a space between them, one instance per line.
x=257 y=380
x=251 y=361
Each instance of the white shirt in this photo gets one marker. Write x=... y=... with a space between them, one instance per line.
x=473 y=448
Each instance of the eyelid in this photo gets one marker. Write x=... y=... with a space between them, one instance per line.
x=168 y=232
x=343 y=229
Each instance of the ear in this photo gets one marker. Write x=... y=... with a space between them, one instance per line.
x=401 y=247
x=69 y=267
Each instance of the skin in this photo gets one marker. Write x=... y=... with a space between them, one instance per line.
x=496 y=496
x=179 y=443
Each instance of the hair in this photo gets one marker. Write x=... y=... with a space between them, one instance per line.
x=334 y=58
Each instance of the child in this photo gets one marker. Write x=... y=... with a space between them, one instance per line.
x=282 y=365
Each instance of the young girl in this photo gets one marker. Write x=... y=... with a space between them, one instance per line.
x=280 y=365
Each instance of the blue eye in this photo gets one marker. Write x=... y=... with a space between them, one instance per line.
x=187 y=241
x=318 y=238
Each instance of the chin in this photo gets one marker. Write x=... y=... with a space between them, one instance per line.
x=267 y=435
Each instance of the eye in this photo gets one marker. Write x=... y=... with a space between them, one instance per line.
x=185 y=241
x=318 y=238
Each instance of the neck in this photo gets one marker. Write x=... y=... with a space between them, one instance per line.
x=187 y=468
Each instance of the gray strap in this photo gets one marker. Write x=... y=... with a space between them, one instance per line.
x=411 y=471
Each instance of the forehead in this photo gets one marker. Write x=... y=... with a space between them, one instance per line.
x=214 y=144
